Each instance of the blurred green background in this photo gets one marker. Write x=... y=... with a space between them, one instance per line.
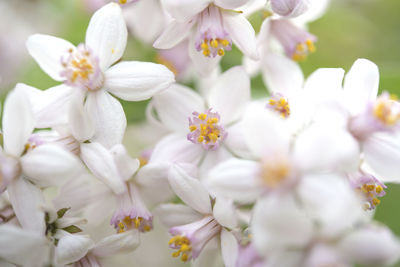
x=351 y=29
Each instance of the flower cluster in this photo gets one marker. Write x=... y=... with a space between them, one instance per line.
x=288 y=179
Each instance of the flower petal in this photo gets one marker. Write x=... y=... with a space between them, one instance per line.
x=290 y=8
x=108 y=117
x=118 y=243
x=184 y=9
x=50 y=164
x=230 y=4
x=230 y=94
x=18 y=122
x=176 y=214
x=224 y=211
x=136 y=81
x=203 y=65
x=27 y=200
x=190 y=190
x=80 y=124
x=241 y=32
x=361 y=85
x=71 y=248
x=229 y=248
x=106 y=34
x=126 y=165
x=175 y=105
x=101 y=162
x=173 y=34
x=47 y=51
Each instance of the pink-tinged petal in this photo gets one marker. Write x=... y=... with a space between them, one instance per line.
x=241 y=32
x=126 y=165
x=361 y=85
x=224 y=211
x=50 y=107
x=190 y=190
x=341 y=151
x=106 y=34
x=175 y=105
x=71 y=248
x=184 y=9
x=230 y=4
x=230 y=94
x=236 y=142
x=314 y=12
x=80 y=123
x=373 y=245
x=265 y=132
x=176 y=214
x=382 y=154
x=290 y=8
x=21 y=247
x=101 y=163
x=118 y=243
x=50 y=164
x=330 y=78
x=136 y=81
x=205 y=66
x=281 y=74
x=27 y=201
x=47 y=51
x=18 y=122
x=108 y=117
x=229 y=248
x=279 y=222
x=173 y=34
x=235 y=179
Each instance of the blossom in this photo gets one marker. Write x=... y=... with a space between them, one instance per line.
x=87 y=73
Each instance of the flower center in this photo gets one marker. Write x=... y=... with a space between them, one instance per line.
x=212 y=39
x=183 y=246
x=279 y=104
x=81 y=69
x=206 y=130
x=387 y=110
x=274 y=172
x=303 y=49
x=129 y=223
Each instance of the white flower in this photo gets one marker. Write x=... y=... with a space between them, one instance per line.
x=87 y=72
x=217 y=27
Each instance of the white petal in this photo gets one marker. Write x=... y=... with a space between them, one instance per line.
x=324 y=83
x=108 y=117
x=173 y=34
x=361 y=85
x=241 y=32
x=136 y=81
x=175 y=105
x=25 y=248
x=184 y=9
x=279 y=222
x=224 y=211
x=265 y=132
x=230 y=94
x=101 y=162
x=176 y=214
x=235 y=179
x=189 y=189
x=126 y=165
x=27 y=201
x=290 y=8
x=50 y=164
x=203 y=65
x=316 y=10
x=80 y=124
x=281 y=74
x=236 y=142
x=382 y=154
x=18 y=122
x=118 y=243
x=153 y=173
x=229 y=248
x=341 y=152
x=106 y=34
x=373 y=245
x=71 y=248
x=47 y=51
x=230 y=4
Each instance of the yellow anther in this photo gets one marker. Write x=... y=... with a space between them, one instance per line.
x=221 y=52
x=204 y=46
x=300 y=47
x=206 y=52
x=214 y=43
x=202 y=116
x=370 y=187
x=272 y=102
x=214 y=120
x=192 y=128
x=310 y=45
x=184 y=257
x=224 y=42
x=147 y=228
x=378 y=189
x=200 y=139
x=122 y=1
x=298 y=57
x=376 y=201
x=176 y=254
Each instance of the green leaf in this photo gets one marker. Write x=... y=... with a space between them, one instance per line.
x=61 y=212
x=72 y=229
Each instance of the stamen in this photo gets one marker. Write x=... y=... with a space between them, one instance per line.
x=387 y=111
x=369 y=188
x=279 y=104
x=274 y=172
x=183 y=246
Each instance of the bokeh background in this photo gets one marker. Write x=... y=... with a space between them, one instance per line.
x=350 y=29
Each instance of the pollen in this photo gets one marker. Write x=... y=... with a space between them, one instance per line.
x=274 y=172
x=183 y=246
x=214 y=47
x=122 y=1
x=279 y=104
x=303 y=49
x=387 y=111
x=370 y=191
x=138 y=223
